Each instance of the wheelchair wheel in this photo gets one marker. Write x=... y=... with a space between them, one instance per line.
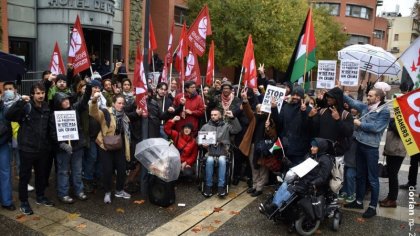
x=305 y=226
x=336 y=221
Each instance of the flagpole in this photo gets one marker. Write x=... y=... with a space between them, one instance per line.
x=204 y=101
x=170 y=73
x=213 y=77
x=91 y=71
x=153 y=61
x=240 y=80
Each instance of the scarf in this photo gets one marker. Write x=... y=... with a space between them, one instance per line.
x=373 y=106
x=8 y=102
x=226 y=101
x=122 y=122
x=129 y=97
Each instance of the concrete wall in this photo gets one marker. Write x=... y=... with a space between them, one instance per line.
x=22 y=18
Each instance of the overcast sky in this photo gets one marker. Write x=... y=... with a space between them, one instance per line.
x=390 y=5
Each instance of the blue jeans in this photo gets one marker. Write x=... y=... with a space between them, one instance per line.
x=281 y=195
x=89 y=160
x=65 y=163
x=5 y=175
x=210 y=168
x=349 y=186
x=367 y=167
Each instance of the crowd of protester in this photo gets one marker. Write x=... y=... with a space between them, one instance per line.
x=105 y=106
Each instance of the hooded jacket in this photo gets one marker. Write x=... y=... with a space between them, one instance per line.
x=319 y=175
x=325 y=126
x=79 y=107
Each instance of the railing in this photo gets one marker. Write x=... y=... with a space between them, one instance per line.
x=28 y=80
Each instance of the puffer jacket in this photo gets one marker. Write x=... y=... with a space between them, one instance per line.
x=186 y=144
x=319 y=175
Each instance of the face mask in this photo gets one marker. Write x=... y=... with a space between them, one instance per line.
x=8 y=95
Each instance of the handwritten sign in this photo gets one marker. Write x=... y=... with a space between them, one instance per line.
x=66 y=125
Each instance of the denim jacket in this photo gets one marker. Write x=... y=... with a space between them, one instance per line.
x=372 y=125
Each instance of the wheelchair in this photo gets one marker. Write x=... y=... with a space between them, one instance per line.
x=200 y=169
x=296 y=216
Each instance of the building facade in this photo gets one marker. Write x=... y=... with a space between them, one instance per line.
x=359 y=21
x=402 y=32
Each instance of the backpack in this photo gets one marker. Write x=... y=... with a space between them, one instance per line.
x=339 y=147
x=337 y=175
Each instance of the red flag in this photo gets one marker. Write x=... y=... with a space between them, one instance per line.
x=198 y=31
x=248 y=63
x=168 y=57
x=182 y=52
x=210 y=65
x=139 y=81
x=78 y=54
x=192 y=71
x=152 y=38
x=56 y=64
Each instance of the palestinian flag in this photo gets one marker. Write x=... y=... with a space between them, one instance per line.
x=277 y=146
x=304 y=52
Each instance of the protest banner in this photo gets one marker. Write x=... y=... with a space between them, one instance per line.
x=326 y=74
x=277 y=93
x=206 y=137
x=66 y=125
x=349 y=72
x=406 y=113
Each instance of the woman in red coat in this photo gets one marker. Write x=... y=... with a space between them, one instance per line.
x=185 y=143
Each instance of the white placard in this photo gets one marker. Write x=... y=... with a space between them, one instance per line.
x=66 y=125
x=277 y=93
x=303 y=168
x=206 y=137
x=326 y=74
x=349 y=72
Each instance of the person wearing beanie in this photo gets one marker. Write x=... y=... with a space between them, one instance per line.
x=60 y=86
x=185 y=143
x=292 y=125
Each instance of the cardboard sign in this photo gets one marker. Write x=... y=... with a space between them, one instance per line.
x=207 y=137
x=326 y=74
x=349 y=72
x=277 y=93
x=66 y=125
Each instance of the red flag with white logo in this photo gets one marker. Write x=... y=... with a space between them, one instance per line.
x=139 y=81
x=210 y=65
x=182 y=52
x=56 y=63
x=248 y=63
x=168 y=57
x=192 y=72
x=198 y=32
x=78 y=54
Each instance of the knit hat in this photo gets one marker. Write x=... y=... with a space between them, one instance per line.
x=298 y=91
x=227 y=83
x=96 y=83
x=61 y=77
x=188 y=125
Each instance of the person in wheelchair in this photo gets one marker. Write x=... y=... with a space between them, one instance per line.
x=314 y=180
x=220 y=150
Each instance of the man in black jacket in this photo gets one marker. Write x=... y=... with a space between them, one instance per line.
x=32 y=114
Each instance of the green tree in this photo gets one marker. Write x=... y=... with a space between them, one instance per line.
x=274 y=25
x=415 y=10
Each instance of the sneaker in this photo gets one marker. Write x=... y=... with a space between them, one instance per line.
x=256 y=193
x=350 y=198
x=221 y=191
x=369 y=213
x=251 y=190
x=107 y=198
x=342 y=196
x=407 y=186
x=268 y=209
x=26 y=209
x=66 y=199
x=44 y=201
x=82 y=196
x=354 y=205
x=10 y=207
x=207 y=191
x=122 y=194
x=30 y=188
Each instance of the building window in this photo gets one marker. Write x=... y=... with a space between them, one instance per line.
x=358 y=11
x=396 y=37
x=379 y=34
x=180 y=15
x=118 y=4
x=357 y=39
x=333 y=8
x=25 y=49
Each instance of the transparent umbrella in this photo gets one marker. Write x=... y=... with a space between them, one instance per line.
x=160 y=157
x=372 y=59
